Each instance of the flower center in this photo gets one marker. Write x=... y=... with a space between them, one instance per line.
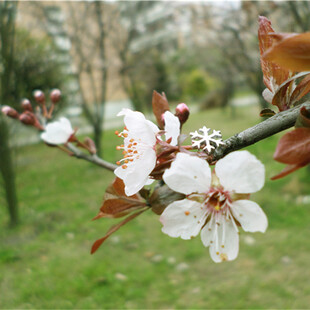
x=217 y=200
x=132 y=149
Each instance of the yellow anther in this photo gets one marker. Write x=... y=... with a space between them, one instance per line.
x=224 y=257
x=124 y=166
x=125 y=135
x=129 y=145
x=187 y=213
x=126 y=161
x=217 y=253
x=124 y=152
x=222 y=246
x=118 y=162
x=131 y=140
x=217 y=208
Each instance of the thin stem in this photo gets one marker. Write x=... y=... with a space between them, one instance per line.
x=263 y=130
x=91 y=158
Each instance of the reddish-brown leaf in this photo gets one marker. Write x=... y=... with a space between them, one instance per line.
x=91 y=145
x=294 y=147
x=292 y=53
x=273 y=74
x=160 y=106
x=302 y=89
x=117 y=204
x=267 y=113
x=113 y=206
x=117 y=189
x=303 y=119
x=113 y=229
x=120 y=207
x=282 y=97
x=287 y=170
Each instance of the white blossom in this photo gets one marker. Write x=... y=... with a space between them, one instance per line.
x=216 y=203
x=58 y=132
x=202 y=139
x=139 y=148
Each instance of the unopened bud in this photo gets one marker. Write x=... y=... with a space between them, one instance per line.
x=162 y=117
x=39 y=96
x=10 y=112
x=182 y=112
x=28 y=118
x=55 y=95
x=26 y=105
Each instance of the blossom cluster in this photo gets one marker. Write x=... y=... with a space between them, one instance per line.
x=53 y=133
x=216 y=203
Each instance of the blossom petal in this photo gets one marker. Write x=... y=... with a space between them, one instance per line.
x=138 y=127
x=188 y=174
x=241 y=172
x=183 y=218
x=267 y=95
x=136 y=175
x=152 y=126
x=222 y=238
x=250 y=215
x=58 y=132
x=172 y=127
x=149 y=181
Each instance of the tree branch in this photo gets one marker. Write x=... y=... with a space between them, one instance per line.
x=91 y=158
x=265 y=129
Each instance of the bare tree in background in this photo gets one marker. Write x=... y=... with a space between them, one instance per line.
x=7 y=34
x=88 y=25
x=300 y=11
x=237 y=42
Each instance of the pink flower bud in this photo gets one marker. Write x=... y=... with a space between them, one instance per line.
x=182 y=112
x=39 y=96
x=55 y=95
x=26 y=105
x=28 y=118
x=10 y=112
x=162 y=117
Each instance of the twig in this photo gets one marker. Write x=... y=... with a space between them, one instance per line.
x=91 y=158
x=267 y=128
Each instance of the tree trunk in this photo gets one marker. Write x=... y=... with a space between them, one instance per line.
x=7 y=35
x=8 y=173
x=98 y=138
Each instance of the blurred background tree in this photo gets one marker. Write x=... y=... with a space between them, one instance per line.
x=118 y=52
x=35 y=66
x=7 y=35
x=87 y=28
x=27 y=63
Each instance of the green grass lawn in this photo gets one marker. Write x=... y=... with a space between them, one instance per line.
x=45 y=262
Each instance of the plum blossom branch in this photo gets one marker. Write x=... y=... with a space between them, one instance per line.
x=263 y=130
x=91 y=158
x=267 y=128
